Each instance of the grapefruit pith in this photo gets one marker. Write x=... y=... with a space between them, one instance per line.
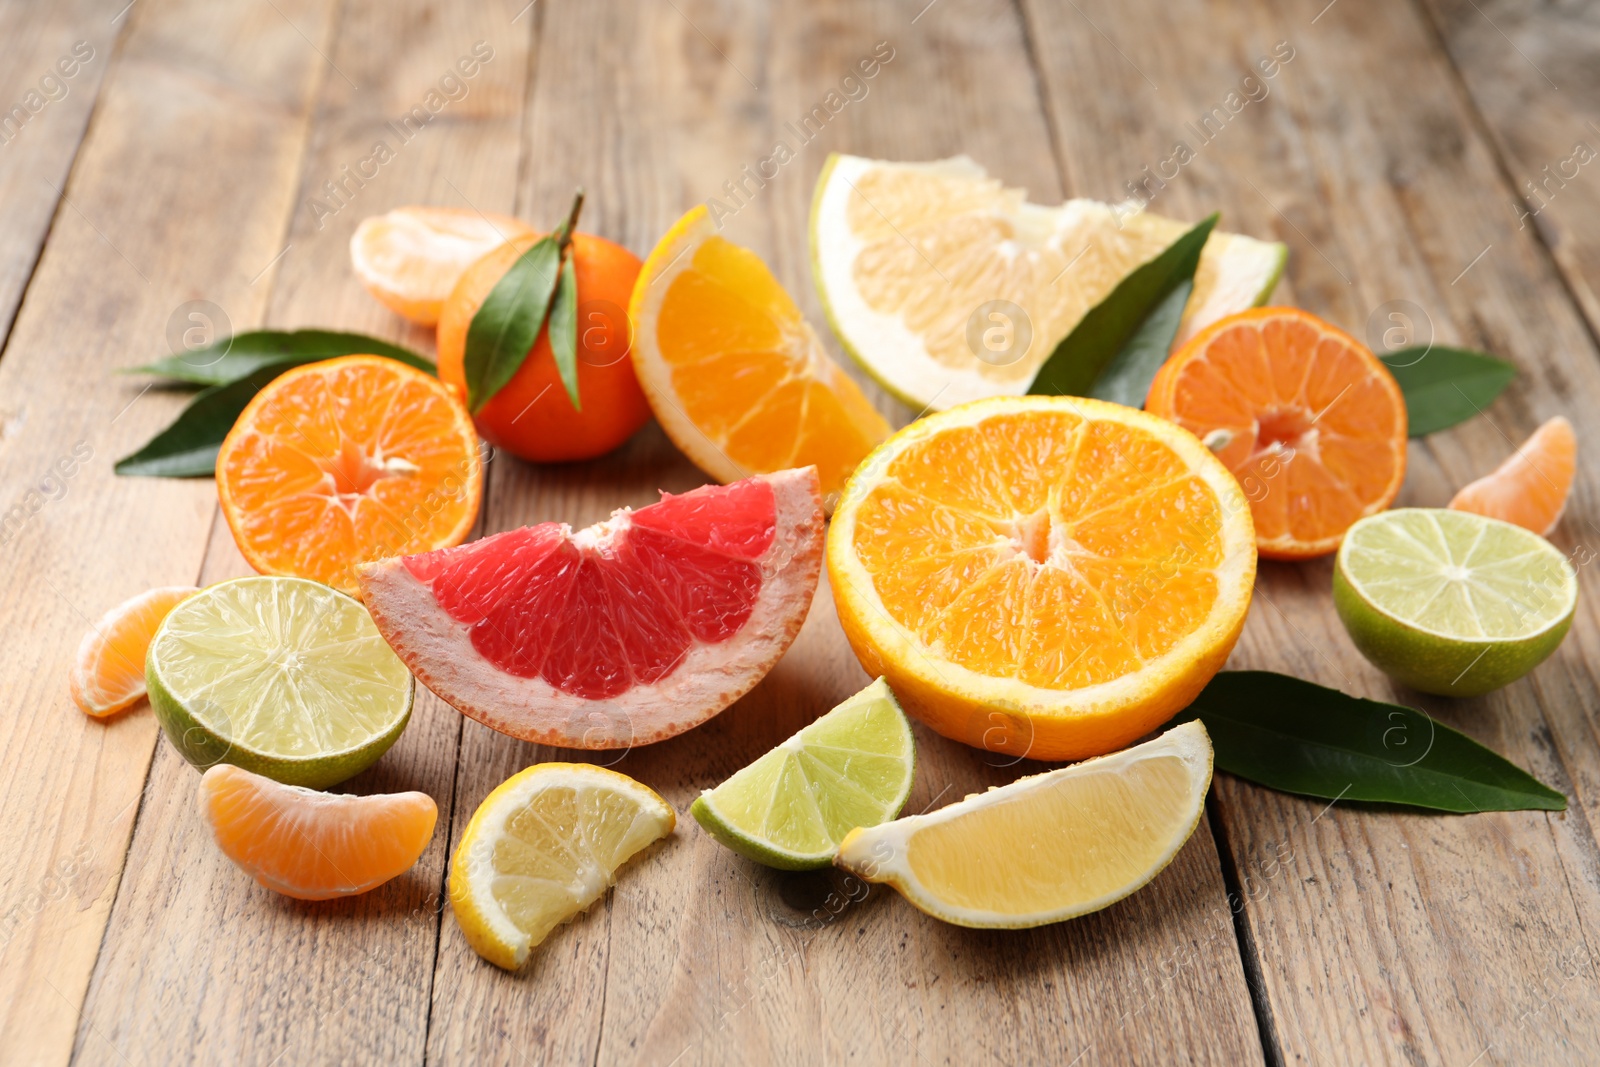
x=627 y=632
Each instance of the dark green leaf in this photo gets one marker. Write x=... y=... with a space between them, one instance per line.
x=1102 y=336
x=1298 y=737
x=507 y=324
x=1127 y=379
x=230 y=358
x=188 y=447
x=564 y=330
x=1444 y=386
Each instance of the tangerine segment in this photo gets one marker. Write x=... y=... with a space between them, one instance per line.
x=411 y=258
x=311 y=845
x=1530 y=488
x=348 y=460
x=736 y=376
x=108 y=673
x=1308 y=420
x=1080 y=563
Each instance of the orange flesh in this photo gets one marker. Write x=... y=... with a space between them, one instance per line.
x=1308 y=420
x=1043 y=547
x=311 y=845
x=348 y=460
x=109 y=672
x=752 y=376
x=1530 y=488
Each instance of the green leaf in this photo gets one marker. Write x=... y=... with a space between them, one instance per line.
x=1444 y=386
x=1292 y=735
x=1127 y=379
x=188 y=447
x=564 y=331
x=1117 y=335
x=507 y=325
x=230 y=358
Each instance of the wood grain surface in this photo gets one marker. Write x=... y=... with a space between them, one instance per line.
x=189 y=161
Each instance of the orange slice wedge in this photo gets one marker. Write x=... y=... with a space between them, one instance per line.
x=1530 y=488
x=1050 y=577
x=311 y=845
x=348 y=460
x=412 y=257
x=1306 y=417
x=737 y=378
x=108 y=674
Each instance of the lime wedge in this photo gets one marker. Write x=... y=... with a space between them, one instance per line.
x=281 y=676
x=792 y=807
x=1450 y=602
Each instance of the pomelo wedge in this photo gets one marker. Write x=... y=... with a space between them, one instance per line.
x=923 y=267
x=627 y=632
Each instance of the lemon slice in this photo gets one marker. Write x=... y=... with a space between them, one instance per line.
x=922 y=268
x=791 y=808
x=544 y=846
x=1450 y=602
x=1049 y=847
x=282 y=676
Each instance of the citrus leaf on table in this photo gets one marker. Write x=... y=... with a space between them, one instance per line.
x=1299 y=737
x=1119 y=344
x=1444 y=385
x=230 y=358
x=188 y=447
x=564 y=331
x=509 y=321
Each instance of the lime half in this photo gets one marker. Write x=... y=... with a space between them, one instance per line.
x=1450 y=602
x=281 y=676
x=792 y=807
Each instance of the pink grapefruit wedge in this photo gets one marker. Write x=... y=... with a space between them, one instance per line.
x=627 y=632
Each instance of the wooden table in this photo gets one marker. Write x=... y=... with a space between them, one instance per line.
x=187 y=158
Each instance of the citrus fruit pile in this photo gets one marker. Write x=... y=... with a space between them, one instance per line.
x=1045 y=576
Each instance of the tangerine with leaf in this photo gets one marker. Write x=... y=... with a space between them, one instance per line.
x=576 y=284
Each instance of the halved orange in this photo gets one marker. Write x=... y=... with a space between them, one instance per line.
x=311 y=845
x=108 y=673
x=1530 y=488
x=734 y=373
x=1046 y=576
x=348 y=460
x=1306 y=417
x=412 y=257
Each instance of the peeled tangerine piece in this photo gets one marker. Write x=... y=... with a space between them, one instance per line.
x=1530 y=488
x=108 y=674
x=311 y=845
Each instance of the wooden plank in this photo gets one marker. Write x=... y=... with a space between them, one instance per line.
x=1529 y=71
x=213 y=131
x=1390 y=937
x=52 y=60
x=209 y=959
x=699 y=956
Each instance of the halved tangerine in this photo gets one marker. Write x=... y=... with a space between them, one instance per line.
x=311 y=845
x=1303 y=414
x=348 y=460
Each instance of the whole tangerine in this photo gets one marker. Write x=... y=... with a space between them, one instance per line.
x=532 y=416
